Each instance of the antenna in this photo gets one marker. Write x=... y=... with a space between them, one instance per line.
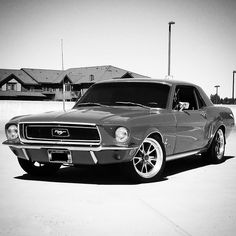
x=63 y=83
x=62 y=59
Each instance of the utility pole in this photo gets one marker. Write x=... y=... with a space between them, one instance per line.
x=63 y=83
x=234 y=72
x=169 y=47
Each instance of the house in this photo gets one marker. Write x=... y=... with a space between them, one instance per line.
x=82 y=78
x=42 y=84
x=45 y=78
x=17 y=85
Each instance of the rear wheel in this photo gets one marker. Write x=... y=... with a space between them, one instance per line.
x=149 y=162
x=38 y=169
x=215 y=153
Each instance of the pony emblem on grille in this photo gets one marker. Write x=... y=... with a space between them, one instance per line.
x=60 y=133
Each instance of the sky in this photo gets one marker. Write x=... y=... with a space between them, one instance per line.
x=130 y=34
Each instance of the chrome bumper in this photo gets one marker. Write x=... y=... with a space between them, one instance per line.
x=79 y=154
x=69 y=147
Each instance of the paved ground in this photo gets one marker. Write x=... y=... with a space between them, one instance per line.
x=193 y=199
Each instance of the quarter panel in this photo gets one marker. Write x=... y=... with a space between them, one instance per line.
x=218 y=116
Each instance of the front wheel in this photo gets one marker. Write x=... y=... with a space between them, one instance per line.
x=38 y=169
x=149 y=161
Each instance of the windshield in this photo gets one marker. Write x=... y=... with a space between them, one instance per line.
x=126 y=94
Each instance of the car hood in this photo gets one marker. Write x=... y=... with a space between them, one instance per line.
x=95 y=115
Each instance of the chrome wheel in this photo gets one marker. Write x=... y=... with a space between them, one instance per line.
x=219 y=144
x=149 y=159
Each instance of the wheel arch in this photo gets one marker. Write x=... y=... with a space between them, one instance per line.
x=154 y=173
x=220 y=126
x=155 y=135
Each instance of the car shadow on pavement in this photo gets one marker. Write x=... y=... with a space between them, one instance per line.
x=113 y=174
x=187 y=164
x=104 y=175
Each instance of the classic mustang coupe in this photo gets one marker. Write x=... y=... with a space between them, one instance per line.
x=141 y=123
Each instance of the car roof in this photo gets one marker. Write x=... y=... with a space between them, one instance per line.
x=152 y=80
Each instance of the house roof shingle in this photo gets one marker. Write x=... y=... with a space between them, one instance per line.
x=42 y=75
x=76 y=75
x=82 y=74
x=19 y=74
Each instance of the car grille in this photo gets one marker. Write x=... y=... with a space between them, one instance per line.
x=48 y=132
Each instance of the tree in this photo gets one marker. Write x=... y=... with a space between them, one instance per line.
x=215 y=98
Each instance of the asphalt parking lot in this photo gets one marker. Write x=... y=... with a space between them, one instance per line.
x=193 y=199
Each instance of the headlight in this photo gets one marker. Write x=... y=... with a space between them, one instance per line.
x=122 y=134
x=12 y=132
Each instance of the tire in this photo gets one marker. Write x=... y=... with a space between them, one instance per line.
x=38 y=169
x=149 y=162
x=215 y=153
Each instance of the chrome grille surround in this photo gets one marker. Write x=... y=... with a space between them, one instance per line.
x=87 y=127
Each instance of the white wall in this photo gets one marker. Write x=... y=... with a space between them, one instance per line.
x=4 y=87
x=9 y=109
x=18 y=85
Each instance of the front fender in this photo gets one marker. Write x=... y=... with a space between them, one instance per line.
x=167 y=138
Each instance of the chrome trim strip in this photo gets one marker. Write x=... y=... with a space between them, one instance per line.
x=74 y=142
x=94 y=157
x=64 y=126
x=177 y=156
x=53 y=142
x=72 y=148
x=25 y=153
x=56 y=122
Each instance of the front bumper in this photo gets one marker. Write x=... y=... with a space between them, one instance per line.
x=88 y=155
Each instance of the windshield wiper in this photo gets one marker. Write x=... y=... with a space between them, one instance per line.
x=132 y=104
x=89 y=104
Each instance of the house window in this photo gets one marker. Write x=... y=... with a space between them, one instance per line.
x=67 y=87
x=11 y=87
x=91 y=77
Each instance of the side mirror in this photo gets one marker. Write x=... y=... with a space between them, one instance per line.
x=183 y=106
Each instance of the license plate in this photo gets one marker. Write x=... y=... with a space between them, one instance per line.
x=60 y=156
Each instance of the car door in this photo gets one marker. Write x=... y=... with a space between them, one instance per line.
x=190 y=122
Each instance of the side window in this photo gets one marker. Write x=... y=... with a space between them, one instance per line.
x=200 y=100
x=185 y=94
